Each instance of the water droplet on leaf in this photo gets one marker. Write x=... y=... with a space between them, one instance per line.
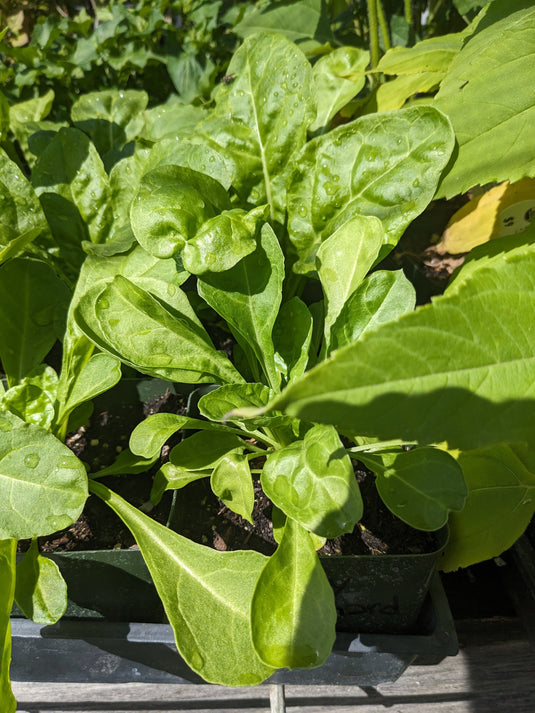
x=31 y=460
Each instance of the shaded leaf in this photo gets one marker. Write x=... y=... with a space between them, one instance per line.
x=232 y=483
x=293 y=614
x=41 y=591
x=499 y=506
x=420 y=486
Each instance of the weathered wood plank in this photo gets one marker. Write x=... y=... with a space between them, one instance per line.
x=494 y=671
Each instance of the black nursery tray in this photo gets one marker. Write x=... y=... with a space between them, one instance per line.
x=93 y=650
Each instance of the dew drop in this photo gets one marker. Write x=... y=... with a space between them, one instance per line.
x=416 y=182
x=31 y=460
x=302 y=211
x=196 y=661
x=171 y=290
x=210 y=258
x=103 y=303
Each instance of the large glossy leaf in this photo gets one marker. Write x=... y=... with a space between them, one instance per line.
x=261 y=118
x=199 y=157
x=33 y=305
x=248 y=297
x=499 y=507
x=461 y=369
x=161 y=278
x=110 y=117
x=293 y=613
x=343 y=261
x=492 y=121
x=385 y=165
x=171 y=205
x=420 y=486
x=41 y=591
x=8 y=551
x=130 y=323
x=20 y=210
x=381 y=297
x=338 y=77
x=206 y=594
x=73 y=187
x=43 y=486
x=312 y=481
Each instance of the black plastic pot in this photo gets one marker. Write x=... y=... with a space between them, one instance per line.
x=114 y=631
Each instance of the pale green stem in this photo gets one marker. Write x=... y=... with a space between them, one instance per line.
x=373 y=29
x=383 y=25
x=408 y=12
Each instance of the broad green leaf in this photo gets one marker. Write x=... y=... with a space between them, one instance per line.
x=223 y=241
x=493 y=128
x=20 y=210
x=197 y=157
x=459 y=370
x=74 y=190
x=162 y=278
x=171 y=119
x=384 y=165
x=420 y=486
x=292 y=336
x=149 y=436
x=499 y=507
x=261 y=118
x=43 y=486
x=305 y=22
x=293 y=613
x=33 y=302
x=125 y=178
x=173 y=477
x=248 y=297
x=381 y=297
x=434 y=54
x=8 y=551
x=171 y=206
x=97 y=375
x=206 y=594
x=41 y=591
x=312 y=481
x=392 y=95
x=338 y=77
x=343 y=261
x=124 y=320
x=111 y=117
x=33 y=399
x=205 y=449
x=232 y=483
x=217 y=404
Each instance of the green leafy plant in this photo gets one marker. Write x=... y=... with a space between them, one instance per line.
x=268 y=217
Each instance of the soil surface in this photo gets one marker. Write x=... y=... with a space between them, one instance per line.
x=195 y=511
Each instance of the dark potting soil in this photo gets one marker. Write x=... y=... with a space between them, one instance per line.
x=195 y=511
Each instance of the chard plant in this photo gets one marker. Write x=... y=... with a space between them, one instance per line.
x=257 y=214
